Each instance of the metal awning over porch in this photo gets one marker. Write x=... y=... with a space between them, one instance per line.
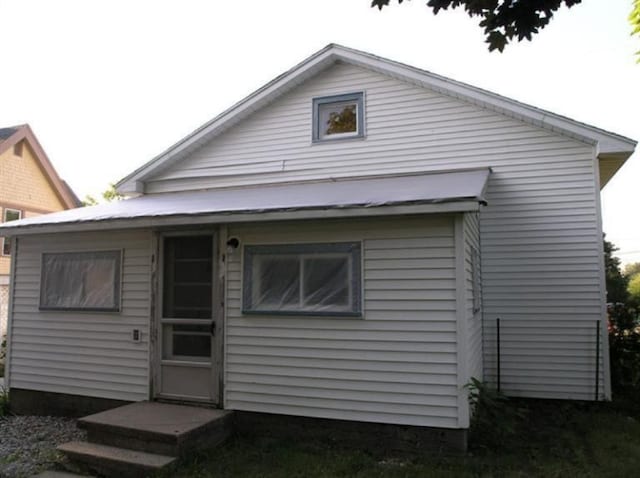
x=453 y=191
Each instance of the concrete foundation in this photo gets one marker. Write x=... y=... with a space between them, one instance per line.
x=374 y=437
x=34 y=402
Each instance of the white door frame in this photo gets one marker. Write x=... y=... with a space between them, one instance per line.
x=157 y=362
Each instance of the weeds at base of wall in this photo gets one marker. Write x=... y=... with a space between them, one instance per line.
x=495 y=418
x=4 y=402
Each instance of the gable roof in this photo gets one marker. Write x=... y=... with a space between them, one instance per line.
x=11 y=135
x=6 y=133
x=610 y=146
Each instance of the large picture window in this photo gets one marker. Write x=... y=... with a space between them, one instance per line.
x=81 y=281
x=302 y=279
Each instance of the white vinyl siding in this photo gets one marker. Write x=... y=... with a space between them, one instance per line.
x=473 y=317
x=80 y=352
x=540 y=233
x=396 y=364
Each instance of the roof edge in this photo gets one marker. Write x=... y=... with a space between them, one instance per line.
x=62 y=190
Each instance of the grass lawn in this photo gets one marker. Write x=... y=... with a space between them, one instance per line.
x=549 y=439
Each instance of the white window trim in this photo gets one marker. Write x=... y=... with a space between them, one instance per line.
x=300 y=250
x=357 y=98
x=116 y=255
x=4 y=219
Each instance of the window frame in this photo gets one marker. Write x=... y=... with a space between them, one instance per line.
x=114 y=254
x=318 y=102
x=354 y=248
x=4 y=219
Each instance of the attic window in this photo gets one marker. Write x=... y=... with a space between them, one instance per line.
x=338 y=117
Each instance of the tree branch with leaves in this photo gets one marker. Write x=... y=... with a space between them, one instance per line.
x=634 y=19
x=504 y=20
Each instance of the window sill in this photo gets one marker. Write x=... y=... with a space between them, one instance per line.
x=360 y=137
x=296 y=313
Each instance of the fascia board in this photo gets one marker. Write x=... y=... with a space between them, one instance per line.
x=229 y=117
x=231 y=218
x=608 y=142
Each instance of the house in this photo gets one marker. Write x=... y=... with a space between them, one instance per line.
x=29 y=186
x=355 y=241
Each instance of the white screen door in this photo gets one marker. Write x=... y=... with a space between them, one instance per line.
x=187 y=321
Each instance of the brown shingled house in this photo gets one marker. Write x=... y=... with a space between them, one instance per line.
x=29 y=186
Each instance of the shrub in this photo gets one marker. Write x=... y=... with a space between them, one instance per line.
x=4 y=402
x=495 y=418
x=624 y=348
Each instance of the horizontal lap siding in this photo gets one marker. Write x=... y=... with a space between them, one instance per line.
x=75 y=352
x=408 y=128
x=539 y=232
x=540 y=271
x=396 y=364
x=473 y=318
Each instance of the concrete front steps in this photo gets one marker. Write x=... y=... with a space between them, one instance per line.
x=140 y=439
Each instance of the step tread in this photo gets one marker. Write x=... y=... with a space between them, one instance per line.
x=153 y=418
x=115 y=454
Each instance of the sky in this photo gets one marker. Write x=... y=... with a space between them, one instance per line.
x=108 y=85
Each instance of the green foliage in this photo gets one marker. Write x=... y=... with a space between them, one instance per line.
x=634 y=19
x=495 y=418
x=557 y=439
x=632 y=269
x=109 y=195
x=616 y=282
x=4 y=402
x=624 y=348
x=502 y=20
x=89 y=200
x=634 y=289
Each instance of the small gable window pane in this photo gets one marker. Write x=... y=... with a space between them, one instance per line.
x=302 y=279
x=81 y=281
x=336 y=117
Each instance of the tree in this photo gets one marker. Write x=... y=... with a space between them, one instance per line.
x=503 y=20
x=634 y=19
x=616 y=281
x=632 y=269
x=109 y=195
x=634 y=289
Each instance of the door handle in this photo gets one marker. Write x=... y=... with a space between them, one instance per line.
x=213 y=329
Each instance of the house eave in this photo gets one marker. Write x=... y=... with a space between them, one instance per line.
x=234 y=218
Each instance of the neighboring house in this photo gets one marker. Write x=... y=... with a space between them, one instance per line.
x=339 y=244
x=29 y=186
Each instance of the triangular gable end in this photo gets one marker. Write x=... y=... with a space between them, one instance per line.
x=59 y=187
x=612 y=149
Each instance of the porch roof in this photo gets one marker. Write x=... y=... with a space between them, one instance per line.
x=451 y=191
